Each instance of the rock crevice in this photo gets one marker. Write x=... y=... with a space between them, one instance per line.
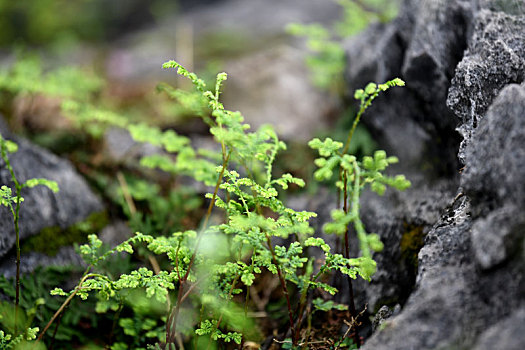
x=464 y=65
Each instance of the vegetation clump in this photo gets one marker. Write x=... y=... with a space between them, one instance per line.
x=199 y=276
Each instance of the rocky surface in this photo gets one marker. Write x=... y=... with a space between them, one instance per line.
x=29 y=261
x=464 y=65
x=494 y=59
x=41 y=207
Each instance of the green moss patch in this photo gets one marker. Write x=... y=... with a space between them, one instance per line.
x=51 y=239
x=411 y=243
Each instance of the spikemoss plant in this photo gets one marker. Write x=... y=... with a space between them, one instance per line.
x=244 y=245
x=210 y=267
x=13 y=202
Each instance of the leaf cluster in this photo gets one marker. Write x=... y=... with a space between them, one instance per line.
x=258 y=233
x=327 y=58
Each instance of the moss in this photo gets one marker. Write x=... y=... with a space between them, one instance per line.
x=411 y=242
x=51 y=239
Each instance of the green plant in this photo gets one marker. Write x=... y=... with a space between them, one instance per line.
x=327 y=58
x=37 y=306
x=13 y=203
x=354 y=176
x=199 y=276
x=243 y=246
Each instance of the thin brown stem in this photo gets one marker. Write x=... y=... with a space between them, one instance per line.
x=127 y=195
x=351 y=133
x=353 y=311
x=17 y=238
x=115 y=319
x=64 y=305
x=192 y=287
x=53 y=337
x=171 y=324
x=222 y=313
x=285 y=290
x=177 y=261
x=154 y=264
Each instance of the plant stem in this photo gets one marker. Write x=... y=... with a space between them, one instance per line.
x=115 y=320
x=355 y=204
x=351 y=133
x=285 y=291
x=53 y=337
x=16 y=215
x=171 y=323
x=64 y=304
x=353 y=311
x=17 y=234
x=222 y=312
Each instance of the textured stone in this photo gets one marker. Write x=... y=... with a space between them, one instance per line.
x=495 y=58
x=495 y=153
x=264 y=95
x=452 y=302
x=422 y=46
x=66 y=256
x=494 y=173
x=41 y=207
x=512 y=7
x=437 y=43
x=120 y=146
x=467 y=56
x=504 y=335
x=430 y=316
x=496 y=236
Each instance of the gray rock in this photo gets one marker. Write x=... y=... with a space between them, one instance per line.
x=512 y=7
x=495 y=58
x=495 y=153
x=264 y=95
x=422 y=47
x=66 y=256
x=494 y=173
x=496 y=236
x=403 y=220
x=381 y=316
x=115 y=233
x=437 y=44
x=120 y=146
x=504 y=335
x=450 y=305
x=470 y=274
x=41 y=207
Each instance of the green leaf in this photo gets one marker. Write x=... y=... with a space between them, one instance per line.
x=327 y=305
x=374 y=242
x=378 y=188
x=370 y=88
x=52 y=185
x=326 y=148
x=248 y=278
x=10 y=146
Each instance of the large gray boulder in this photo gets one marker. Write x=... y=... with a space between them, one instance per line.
x=41 y=207
x=464 y=65
x=495 y=58
x=494 y=178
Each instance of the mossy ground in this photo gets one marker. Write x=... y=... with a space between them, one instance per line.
x=51 y=239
